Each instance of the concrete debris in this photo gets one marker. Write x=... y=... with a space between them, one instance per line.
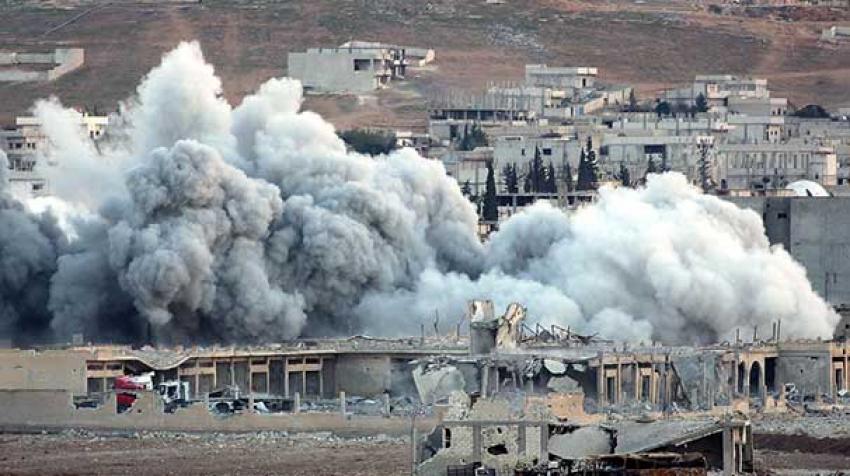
x=581 y=443
x=436 y=382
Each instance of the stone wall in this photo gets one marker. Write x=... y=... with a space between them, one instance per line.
x=43 y=370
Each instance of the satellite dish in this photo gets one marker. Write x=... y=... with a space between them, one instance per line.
x=807 y=188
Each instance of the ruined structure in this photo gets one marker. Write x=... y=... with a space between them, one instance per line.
x=506 y=396
x=15 y=66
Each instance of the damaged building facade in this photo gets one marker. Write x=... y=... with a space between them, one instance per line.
x=506 y=396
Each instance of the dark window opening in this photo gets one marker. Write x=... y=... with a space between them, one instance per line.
x=447 y=438
x=361 y=64
x=499 y=449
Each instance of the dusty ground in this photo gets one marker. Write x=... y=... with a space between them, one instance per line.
x=168 y=453
x=182 y=454
x=651 y=44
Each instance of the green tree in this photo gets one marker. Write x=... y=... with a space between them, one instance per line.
x=651 y=167
x=466 y=189
x=624 y=175
x=587 y=176
x=509 y=177
x=490 y=210
x=812 y=111
x=663 y=109
x=551 y=184
x=633 y=105
x=369 y=142
x=472 y=137
x=537 y=172
x=665 y=167
x=701 y=103
x=569 y=186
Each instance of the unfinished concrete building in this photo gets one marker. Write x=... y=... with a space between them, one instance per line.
x=355 y=66
x=19 y=66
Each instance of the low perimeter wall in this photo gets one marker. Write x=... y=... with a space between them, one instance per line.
x=34 y=410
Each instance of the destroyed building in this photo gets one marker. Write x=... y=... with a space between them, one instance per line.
x=505 y=396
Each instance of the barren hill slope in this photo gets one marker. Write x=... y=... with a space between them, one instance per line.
x=650 y=44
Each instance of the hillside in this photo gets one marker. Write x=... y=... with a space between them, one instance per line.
x=650 y=44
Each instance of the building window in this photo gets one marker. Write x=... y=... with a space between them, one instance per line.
x=361 y=65
x=547 y=151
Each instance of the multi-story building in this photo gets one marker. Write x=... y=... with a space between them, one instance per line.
x=347 y=70
x=764 y=166
x=26 y=144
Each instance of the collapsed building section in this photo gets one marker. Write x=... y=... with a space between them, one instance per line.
x=505 y=395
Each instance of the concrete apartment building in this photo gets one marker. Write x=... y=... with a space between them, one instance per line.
x=764 y=166
x=718 y=89
x=835 y=34
x=355 y=66
x=815 y=232
x=563 y=78
x=19 y=66
x=345 y=70
x=26 y=145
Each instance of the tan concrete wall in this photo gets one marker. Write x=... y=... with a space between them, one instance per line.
x=363 y=375
x=43 y=409
x=43 y=370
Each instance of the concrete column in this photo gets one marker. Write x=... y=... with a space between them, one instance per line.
x=747 y=370
x=544 y=442
x=600 y=384
x=251 y=403
x=619 y=395
x=651 y=397
x=387 y=410
x=734 y=386
x=520 y=438
x=846 y=368
x=728 y=453
x=296 y=405
x=476 y=442
x=637 y=382
x=342 y=403
x=485 y=380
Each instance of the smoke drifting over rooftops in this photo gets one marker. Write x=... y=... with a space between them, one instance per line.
x=212 y=223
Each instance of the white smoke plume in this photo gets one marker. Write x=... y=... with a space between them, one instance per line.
x=254 y=223
x=663 y=262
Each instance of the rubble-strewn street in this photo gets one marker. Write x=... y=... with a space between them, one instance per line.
x=163 y=453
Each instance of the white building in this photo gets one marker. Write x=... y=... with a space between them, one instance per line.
x=25 y=145
x=774 y=166
x=346 y=70
x=718 y=89
x=564 y=78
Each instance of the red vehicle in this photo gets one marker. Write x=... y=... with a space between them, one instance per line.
x=125 y=400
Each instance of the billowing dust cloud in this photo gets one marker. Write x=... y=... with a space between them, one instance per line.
x=195 y=221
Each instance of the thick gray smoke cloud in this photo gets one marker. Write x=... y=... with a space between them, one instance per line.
x=29 y=245
x=255 y=224
x=239 y=224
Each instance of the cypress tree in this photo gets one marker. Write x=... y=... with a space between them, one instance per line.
x=551 y=185
x=490 y=210
x=569 y=186
x=625 y=176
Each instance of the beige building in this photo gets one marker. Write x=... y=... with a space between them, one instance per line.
x=773 y=166
x=347 y=69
